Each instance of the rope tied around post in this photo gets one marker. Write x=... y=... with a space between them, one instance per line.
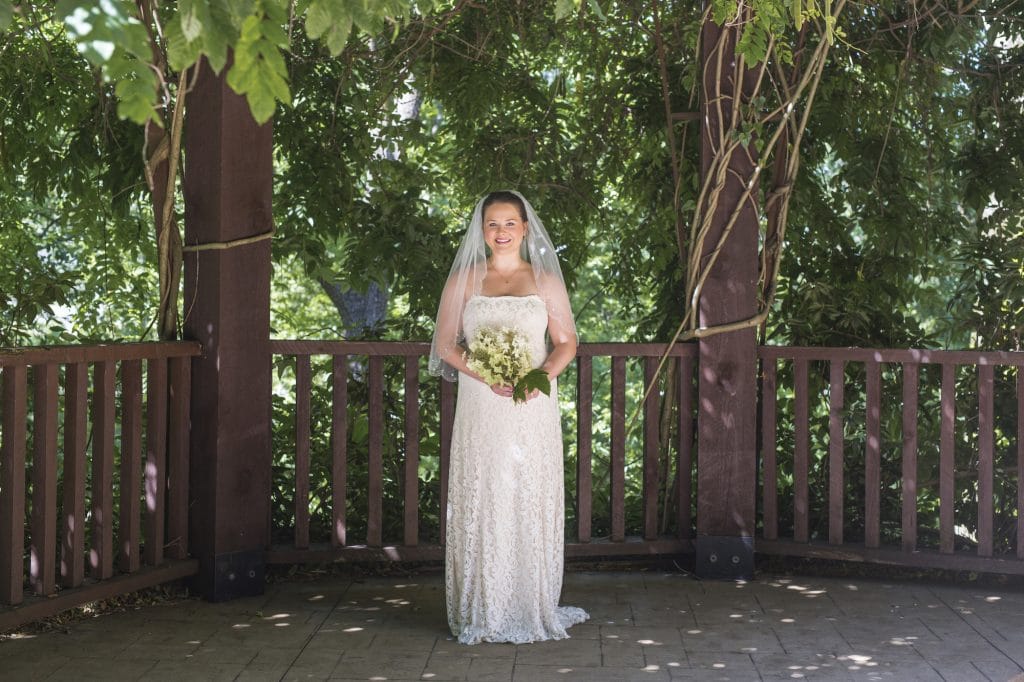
x=211 y=246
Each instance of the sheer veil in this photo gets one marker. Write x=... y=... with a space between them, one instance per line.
x=466 y=279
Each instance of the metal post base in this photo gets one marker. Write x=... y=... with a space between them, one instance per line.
x=238 y=574
x=725 y=557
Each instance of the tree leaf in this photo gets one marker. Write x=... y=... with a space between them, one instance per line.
x=189 y=20
x=534 y=379
x=318 y=19
x=564 y=8
x=180 y=52
x=6 y=14
x=277 y=85
x=261 y=102
x=338 y=36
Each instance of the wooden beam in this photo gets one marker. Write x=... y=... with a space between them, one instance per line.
x=228 y=187
x=727 y=414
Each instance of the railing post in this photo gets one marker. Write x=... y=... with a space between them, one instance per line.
x=228 y=187
x=12 y=483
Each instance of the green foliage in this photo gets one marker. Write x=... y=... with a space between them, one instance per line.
x=125 y=40
x=71 y=187
x=110 y=36
x=259 y=71
x=536 y=379
x=905 y=228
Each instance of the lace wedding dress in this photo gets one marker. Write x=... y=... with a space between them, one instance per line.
x=504 y=554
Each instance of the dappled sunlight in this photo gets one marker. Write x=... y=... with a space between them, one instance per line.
x=902 y=641
x=378 y=631
x=858 y=661
x=804 y=591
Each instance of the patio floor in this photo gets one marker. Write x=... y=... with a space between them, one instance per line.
x=644 y=626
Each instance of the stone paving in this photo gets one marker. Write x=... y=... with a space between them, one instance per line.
x=644 y=626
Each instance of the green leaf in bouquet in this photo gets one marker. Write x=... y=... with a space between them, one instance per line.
x=534 y=379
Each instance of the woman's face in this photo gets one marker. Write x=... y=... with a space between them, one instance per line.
x=504 y=228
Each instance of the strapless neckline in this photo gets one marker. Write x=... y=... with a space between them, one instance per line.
x=506 y=296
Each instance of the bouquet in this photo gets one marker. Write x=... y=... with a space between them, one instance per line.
x=502 y=356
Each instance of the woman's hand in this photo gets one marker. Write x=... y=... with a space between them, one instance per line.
x=502 y=390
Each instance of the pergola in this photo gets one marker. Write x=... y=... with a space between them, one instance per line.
x=228 y=197
x=207 y=470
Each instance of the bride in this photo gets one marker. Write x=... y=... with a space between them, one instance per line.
x=505 y=516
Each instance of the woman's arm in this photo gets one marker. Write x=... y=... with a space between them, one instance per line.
x=561 y=355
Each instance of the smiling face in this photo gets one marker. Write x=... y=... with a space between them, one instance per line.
x=504 y=228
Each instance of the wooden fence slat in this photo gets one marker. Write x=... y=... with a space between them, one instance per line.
x=801 y=451
x=339 y=448
x=909 y=498
x=129 y=529
x=156 y=460
x=1020 y=462
x=302 y=391
x=650 y=474
x=180 y=378
x=43 y=543
x=76 y=397
x=12 y=482
x=985 y=460
x=448 y=389
x=584 y=446
x=684 y=460
x=873 y=455
x=947 y=464
x=374 y=484
x=836 y=402
x=101 y=547
x=411 y=522
x=618 y=449
x=769 y=457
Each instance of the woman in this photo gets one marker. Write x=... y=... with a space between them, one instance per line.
x=505 y=516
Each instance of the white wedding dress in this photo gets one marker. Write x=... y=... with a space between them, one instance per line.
x=505 y=516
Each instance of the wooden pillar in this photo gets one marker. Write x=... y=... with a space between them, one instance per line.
x=228 y=184
x=726 y=419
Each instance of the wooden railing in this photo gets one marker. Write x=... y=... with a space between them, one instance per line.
x=72 y=496
x=967 y=484
x=371 y=358
x=65 y=553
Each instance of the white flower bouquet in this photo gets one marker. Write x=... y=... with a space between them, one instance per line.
x=502 y=356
